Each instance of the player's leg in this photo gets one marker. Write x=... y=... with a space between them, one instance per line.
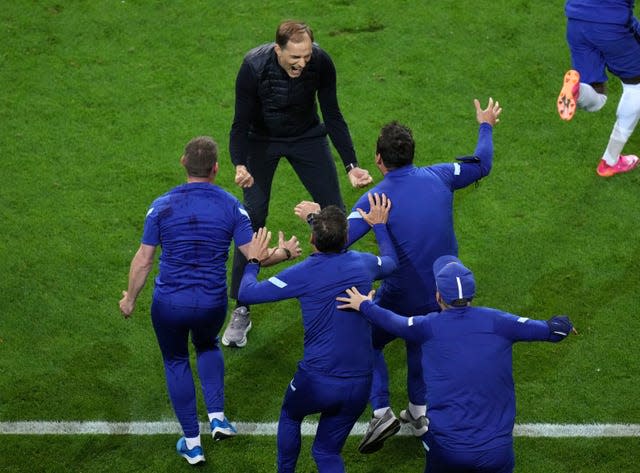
x=210 y=362
x=383 y=423
x=313 y=163
x=415 y=416
x=627 y=116
x=351 y=395
x=442 y=460
x=583 y=86
x=621 y=49
x=592 y=97
x=262 y=164
x=498 y=460
x=300 y=400
x=173 y=337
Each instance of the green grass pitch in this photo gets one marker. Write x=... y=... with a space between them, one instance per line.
x=98 y=100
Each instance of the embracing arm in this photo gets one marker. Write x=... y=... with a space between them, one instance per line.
x=388 y=254
x=403 y=327
x=273 y=289
x=358 y=225
x=258 y=248
x=377 y=217
x=414 y=329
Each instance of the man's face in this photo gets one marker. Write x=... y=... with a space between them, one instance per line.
x=294 y=57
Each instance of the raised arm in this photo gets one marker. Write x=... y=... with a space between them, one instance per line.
x=470 y=169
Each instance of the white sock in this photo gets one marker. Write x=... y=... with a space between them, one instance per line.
x=589 y=99
x=216 y=415
x=193 y=442
x=628 y=114
x=417 y=410
x=380 y=412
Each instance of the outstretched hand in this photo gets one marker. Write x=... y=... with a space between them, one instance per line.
x=560 y=327
x=355 y=299
x=258 y=248
x=243 y=177
x=306 y=207
x=292 y=245
x=490 y=114
x=359 y=177
x=379 y=207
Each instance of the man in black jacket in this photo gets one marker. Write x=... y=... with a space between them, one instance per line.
x=278 y=90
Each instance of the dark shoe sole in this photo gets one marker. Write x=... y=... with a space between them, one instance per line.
x=367 y=447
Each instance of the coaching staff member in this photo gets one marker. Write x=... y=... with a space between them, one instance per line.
x=194 y=224
x=467 y=363
x=333 y=378
x=278 y=88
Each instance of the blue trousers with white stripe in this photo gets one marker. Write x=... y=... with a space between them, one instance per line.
x=172 y=325
x=339 y=401
x=442 y=460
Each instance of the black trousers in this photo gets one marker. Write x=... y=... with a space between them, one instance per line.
x=311 y=160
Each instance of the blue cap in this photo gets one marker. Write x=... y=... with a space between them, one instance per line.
x=453 y=279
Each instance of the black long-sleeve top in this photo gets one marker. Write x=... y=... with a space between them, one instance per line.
x=272 y=106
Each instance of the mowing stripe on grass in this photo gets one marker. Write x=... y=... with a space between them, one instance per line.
x=270 y=428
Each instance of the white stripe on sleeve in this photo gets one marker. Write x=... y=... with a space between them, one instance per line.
x=354 y=214
x=379 y=261
x=410 y=322
x=277 y=282
x=456 y=169
x=522 y=319
x=243 y=212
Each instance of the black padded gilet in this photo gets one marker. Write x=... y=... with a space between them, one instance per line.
x=288 y=106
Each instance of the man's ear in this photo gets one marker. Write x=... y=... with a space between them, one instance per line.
x=183 y=159
x=214 y=171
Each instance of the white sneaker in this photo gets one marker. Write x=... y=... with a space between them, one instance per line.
x=222 y=429
x=379 y=430
x=193 y=456
x=418 y=426
x=235 y=334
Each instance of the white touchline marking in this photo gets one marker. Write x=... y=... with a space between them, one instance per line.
x=270 y=429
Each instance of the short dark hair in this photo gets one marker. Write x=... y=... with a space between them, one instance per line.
x=395 y=145
x=291 y=30
x=460 y=302
x=330 y=230
x=200 y=156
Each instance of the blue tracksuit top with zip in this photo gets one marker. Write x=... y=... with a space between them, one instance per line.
x=467 y=362
x=421 y=223
x=194 y=223
x=619 y=12
x=336 y=342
